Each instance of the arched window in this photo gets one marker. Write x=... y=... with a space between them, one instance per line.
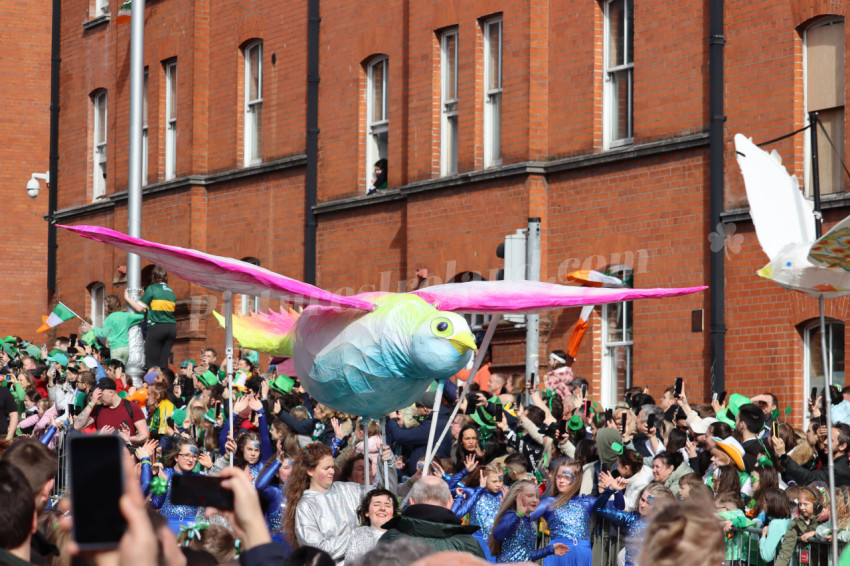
x=813 y=357
x=249 y=303
x=377 y=117
x=617 y=343
x=253 y=103
x=99 y=130
x=97 y=292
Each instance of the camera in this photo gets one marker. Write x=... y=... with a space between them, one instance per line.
x=15 y=364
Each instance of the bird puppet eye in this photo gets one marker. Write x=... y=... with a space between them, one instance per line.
x=441 y=327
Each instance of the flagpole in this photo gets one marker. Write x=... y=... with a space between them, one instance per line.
x=135 y=361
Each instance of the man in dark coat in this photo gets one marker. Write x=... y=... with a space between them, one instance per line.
x=430 y=519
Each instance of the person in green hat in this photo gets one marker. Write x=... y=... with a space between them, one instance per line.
x=115 y=329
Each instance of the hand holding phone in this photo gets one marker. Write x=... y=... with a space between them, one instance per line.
x=650 y=423
x=677 y=389
x=97 y=484
x=200 y=491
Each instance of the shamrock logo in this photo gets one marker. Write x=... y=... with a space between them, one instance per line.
x=724 y=237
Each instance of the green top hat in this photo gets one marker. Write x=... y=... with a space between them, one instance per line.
x=282 y=384
x=208 y=378
x=730 y=413
x=210 y=416
x=575 y=423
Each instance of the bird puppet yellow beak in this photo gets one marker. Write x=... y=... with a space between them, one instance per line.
x=463 y=342
x=766 y=272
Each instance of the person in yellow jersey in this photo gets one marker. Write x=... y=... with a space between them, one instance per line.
x=158 y=302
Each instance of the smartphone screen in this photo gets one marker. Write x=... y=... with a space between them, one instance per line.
x=678 y=387
x=814 y=395
x=722 y=397
x=584 y=390
x=650 y=422
x=586 y=408
x=562 y=426
x=623 y=422
x=73 y=339
x=498 y=411
x=97 y=483
x=200 y=491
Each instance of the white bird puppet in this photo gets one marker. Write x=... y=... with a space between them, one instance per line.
x=785 y=227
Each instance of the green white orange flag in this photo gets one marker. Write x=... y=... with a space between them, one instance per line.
x=124 y=12
x=60 y=314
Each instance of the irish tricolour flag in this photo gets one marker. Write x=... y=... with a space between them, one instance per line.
x=60 y=314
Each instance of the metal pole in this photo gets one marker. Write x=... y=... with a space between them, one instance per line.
x=827 y=381
x=431 y=448
x=366 y=453
x=135 y=365
x=228 y=352
x=479 y=357
x=312 y=174
x=53 y=158
x=532 y=321
x=384 y=443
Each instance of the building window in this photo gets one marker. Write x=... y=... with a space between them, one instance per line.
x=824 y=73
x=170 y=119
x=249 y=303
x=377 y=120
x=813 y=357
x=97 y=294
x=145 y=129
x=448 y=103
x=617 y=343
x=101 y=8
x=99 y=145
x=492 y=92
x=619 y=65
x=253 y=134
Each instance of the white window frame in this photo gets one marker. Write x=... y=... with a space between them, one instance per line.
x=609 y=392
x=249 y=303
x=97 y=294
x=493 y=96
x=100 y=126
x=253 y=107
x=809 y=380
x=807 y=140
x=145 y=129
x=170 y=119
x=448 y=102
x=101 y=8
x=609 y=120
x=376 y=127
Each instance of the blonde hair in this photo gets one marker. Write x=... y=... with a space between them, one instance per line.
x=508 y=503
x=679 y=533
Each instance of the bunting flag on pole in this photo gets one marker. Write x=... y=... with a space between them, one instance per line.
x=60 y=314
x=124 y=13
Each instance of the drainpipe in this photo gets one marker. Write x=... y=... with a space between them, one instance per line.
x=311 y=177
x=717 y=282
x=53 y=158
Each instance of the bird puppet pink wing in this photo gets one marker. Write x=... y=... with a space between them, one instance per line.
x=220 y=273
x=529 y=297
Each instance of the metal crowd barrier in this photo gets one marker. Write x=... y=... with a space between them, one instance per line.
x=61 y=483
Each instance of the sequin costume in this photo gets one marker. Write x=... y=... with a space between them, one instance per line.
x=635 y=524
x=518 y=537
x=177 y=515
x=274 y=496
x=325 y=520
x=568 y=524
x=362 y=540
x=482 y=506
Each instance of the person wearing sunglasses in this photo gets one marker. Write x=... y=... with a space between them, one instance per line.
x=182 y=460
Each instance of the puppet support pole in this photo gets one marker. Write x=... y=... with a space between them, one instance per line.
x=479 y=357
x=431 y=449
x=383 y=444
x=228 y=352
x=366 y=453
x=827 y=379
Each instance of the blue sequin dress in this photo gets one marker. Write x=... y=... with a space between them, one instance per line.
x=634 y=524
x=275 y=497
x=519 y=539
x=177 y=515
x=482 y=506
x=570 y=525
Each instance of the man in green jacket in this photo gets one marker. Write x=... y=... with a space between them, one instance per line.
x=430 y=519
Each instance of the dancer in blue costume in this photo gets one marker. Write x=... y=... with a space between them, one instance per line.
x=653 y=497
x=181 y=461
x=251 y=449
x=514 y=537
x=482 y=503
x=274 y=495
x=568 y=516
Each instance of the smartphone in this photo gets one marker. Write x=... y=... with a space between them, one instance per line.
x=722 y=397
x=217 y=411
x=603 y=468
x=170 y=422
x=200 y=491
x=814 y=394
x=97 y=483
x=73 y=339
x=623 y=418
x=773 y=429
x=498 y=412
x=562 y=426
x=677 y=389
x=586 y=408
x=584 y=390
x=650 y=422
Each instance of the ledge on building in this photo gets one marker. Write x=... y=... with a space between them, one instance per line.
x=828 y=202
x=96 y=21
x=679 y=143
x=182 y=183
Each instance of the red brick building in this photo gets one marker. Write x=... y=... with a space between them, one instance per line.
x=592 y=116
x=24 y=128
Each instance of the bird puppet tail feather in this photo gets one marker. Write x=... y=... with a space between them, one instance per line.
x=265 y=332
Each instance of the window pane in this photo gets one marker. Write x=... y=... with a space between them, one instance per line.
x=101 y=118
x=451 y=66
x=257 y=138
x=496 y=121
x=619 y=369
x=381 y=145
x=145 y=99
x=495 y=55
x=832 y=176
x=835 y=347
x=621 y=104
x=825 y=66
x=451 y=145
x=630 y=31
x=378 y=92
x=172 y=92
x=616 y=21
x=254 y=84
